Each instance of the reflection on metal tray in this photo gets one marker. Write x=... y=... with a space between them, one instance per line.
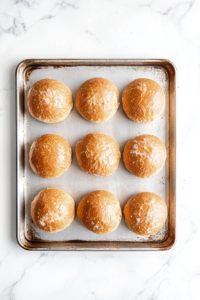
x=77 y=183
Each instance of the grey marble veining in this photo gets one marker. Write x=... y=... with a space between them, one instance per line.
x=104 y=29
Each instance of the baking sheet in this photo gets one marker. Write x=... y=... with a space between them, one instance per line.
x=74 y=181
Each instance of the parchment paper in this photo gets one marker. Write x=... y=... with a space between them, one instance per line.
x=76 y=182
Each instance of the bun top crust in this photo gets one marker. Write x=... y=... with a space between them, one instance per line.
x=98 y=154
x=100 y=212
x=52 y=210
x=145 y=213
x=97 y=100
x=49 y=101
x=144 y=155
x=50 y=155
x=143 y=100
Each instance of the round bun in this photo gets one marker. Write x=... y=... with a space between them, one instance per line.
x=97 y=100
x=98 y=154
x=49 y=101
x=100 y=212
x=50 y=155
x=143 y=100
x=145 y=213
x=52 y=210
x=144 y=155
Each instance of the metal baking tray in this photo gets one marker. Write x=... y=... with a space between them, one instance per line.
x=73 y=72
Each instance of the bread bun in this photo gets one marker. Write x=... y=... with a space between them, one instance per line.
x=98 y=154
x=100 y=212
x=49 y=101
x=52 y=210
x=97 y=100
x=50 y=156
x=144 y=155
x=143 y=100
x=145 y=213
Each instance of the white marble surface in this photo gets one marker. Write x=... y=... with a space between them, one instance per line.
x=103 y=29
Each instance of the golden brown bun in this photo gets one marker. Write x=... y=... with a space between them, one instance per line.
x=98 y=154
x=49 y=101
x=145 y=213
x=50 y=155
x=144 y=155
x=143 y=100
x=97 y=100
x=100 y=212
x=52 y=210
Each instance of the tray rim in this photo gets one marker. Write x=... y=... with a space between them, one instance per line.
x=169 y=242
